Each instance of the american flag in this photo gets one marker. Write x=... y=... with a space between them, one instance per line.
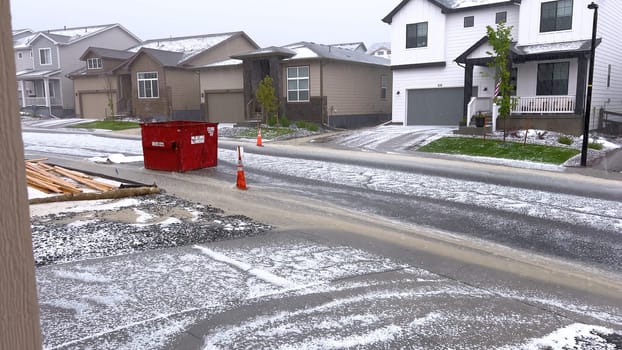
x=497 y=88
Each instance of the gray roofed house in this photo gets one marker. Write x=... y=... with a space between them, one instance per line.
x=45 y=58
x=155 y=79
x=335 y=85
x=382 y=49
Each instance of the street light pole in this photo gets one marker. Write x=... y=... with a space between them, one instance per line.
x=588 y=103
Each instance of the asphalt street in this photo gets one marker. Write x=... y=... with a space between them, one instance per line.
x=540 y=264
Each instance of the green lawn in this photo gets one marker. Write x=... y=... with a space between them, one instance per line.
x=499 y=149
x=108 y=125
x=266 y=133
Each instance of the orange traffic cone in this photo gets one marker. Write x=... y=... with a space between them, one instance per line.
x=259 y=142
x=241 y=182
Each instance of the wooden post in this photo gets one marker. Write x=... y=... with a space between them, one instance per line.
x=19 y=310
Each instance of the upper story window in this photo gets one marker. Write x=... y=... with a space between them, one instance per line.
x=384 y=83
x=148 y=85
x=556 y=15
x=501 y=17
x=298 y=84
x=94 y=63
x=30 y=53
x=469 y=21
x=417 y=35
x=380 y=53
x=19 y=55
x=552 y=78
x=45 y=56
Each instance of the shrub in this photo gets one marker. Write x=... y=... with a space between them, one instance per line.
x=312 y=127
x=563 y=139
x=301 y=124
x=271 y=120
x=285 y=122
x=595 y=145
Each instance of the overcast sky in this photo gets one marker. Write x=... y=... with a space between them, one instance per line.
x=268 y=22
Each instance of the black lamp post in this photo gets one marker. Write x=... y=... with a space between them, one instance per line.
x=588 y=102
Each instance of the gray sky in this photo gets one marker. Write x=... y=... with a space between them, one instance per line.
x=268 y=22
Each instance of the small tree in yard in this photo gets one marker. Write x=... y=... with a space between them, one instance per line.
x=501 y=39
x=266 y=97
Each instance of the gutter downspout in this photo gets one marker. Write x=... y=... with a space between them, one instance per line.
x=322 y=92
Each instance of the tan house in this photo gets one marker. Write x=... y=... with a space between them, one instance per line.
x=161 y=76
x=99 y=91
x=320 y=83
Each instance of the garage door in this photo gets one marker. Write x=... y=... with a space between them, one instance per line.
x=96 y=105
x=225 y=107
x=442 y=106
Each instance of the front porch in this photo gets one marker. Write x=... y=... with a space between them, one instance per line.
x=549 y=85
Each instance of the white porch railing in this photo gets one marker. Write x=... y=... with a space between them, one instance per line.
x=40 y=101
x=543 y=104
x=470 y=110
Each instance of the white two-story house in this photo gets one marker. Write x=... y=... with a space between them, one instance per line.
x=43 y=59
x=440 y=61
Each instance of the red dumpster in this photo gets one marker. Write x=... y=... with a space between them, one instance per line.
x=180 y=145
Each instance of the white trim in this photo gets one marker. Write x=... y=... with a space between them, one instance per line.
x=94 y=63
x=298 y=78
x=40 y=56
x=157 y=90
x=21 y=86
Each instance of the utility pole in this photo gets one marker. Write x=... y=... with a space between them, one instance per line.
x=588 y=102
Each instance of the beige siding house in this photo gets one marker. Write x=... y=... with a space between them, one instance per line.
x=158 y=80
x=326 y=84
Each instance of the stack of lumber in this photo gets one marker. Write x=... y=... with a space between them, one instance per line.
x=71 y=185
x=55 y=179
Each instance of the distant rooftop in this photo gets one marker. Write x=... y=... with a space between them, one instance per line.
x=189 y=46
x=305 y=50
x=351 y=46
x=64 y=35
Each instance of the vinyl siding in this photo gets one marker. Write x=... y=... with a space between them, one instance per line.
x=225 y=78
x=185 y=89
x=231 y=47
x=115 y=38
x=147 y=108
x=314 y=76
x=44 y=43
x=529 y=23
x=457 y=39
x=608 y=52
x=354 y=89
x=26 y=62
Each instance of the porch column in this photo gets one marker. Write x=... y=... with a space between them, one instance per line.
x=21 y=88
x=468 y=87
x=46 y=89
x=581 y=85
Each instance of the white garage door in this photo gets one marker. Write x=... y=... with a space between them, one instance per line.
x=96 y=105
x=227 y=107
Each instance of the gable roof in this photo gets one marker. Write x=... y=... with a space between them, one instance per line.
x=266 y=51
x=107 y=53
x=69 y=36
x=449 y=6
x=377 y=46
x=351 y=46
x=190 y=46
x=309 y=50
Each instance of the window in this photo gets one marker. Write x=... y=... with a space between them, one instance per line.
x=94 y=63
x=552 y=78
x=388 y=52
x=609 y=76
x=417 y=35
x=19 y=55
x=298 y=84
x=45 y=56
x=513 y=81
x=383 y=86
x=501 y=17
x=148 y=85
x=556 y=15
x=469 y=21
x=380 y=53
x=30 y=53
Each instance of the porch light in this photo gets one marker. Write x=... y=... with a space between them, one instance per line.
x=588 y=102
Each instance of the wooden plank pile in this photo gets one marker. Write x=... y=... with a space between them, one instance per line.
x=53 y=179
